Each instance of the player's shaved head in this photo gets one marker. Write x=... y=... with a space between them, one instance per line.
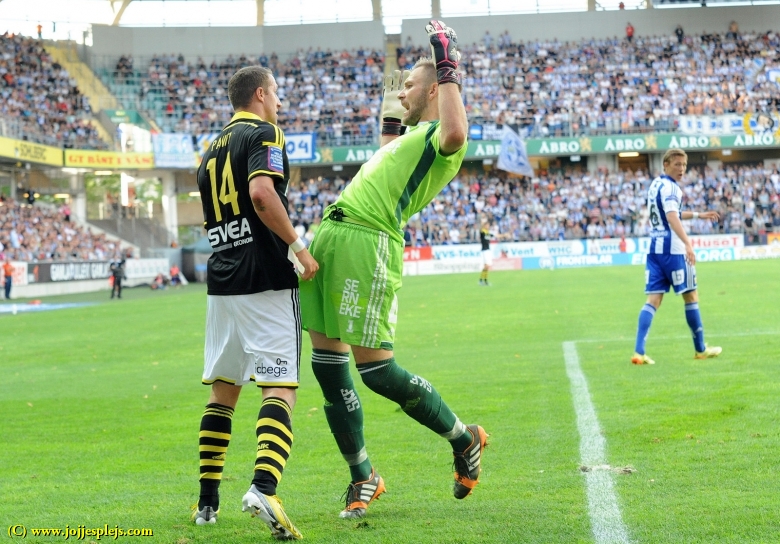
x=245 y=82
x=672 y=153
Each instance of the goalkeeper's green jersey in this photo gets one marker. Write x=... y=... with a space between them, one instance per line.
x=400 y=180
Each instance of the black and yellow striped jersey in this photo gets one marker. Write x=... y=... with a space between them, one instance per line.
x=248 y=257
x=484 y=238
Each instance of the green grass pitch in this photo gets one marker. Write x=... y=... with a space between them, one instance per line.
x=101 y=405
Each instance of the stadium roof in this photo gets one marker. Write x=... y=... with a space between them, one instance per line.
x=72 y=19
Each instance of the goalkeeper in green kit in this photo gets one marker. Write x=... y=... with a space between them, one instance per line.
x=352 y=304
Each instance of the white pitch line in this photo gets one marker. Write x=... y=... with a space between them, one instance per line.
x=606 y=520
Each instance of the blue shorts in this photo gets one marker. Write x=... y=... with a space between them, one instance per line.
x=663 y=271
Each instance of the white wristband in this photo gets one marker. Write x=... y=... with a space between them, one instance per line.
x=695 y=215
x=297 y=245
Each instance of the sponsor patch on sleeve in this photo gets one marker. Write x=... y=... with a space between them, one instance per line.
x=275 y=159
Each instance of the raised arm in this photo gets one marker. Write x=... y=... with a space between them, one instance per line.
x=452 y=113
x=454 y=126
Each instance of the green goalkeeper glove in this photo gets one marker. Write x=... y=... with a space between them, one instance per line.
x=392 y=110
x=444 y=50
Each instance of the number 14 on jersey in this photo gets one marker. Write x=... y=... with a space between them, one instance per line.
x=227 y=189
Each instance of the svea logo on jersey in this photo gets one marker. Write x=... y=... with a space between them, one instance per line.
x=275 y=159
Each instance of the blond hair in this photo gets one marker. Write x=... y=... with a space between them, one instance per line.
x=672 y=153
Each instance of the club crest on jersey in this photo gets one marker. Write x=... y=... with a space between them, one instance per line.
x=275 y=159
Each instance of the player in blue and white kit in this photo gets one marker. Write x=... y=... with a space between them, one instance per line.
x=671 y=260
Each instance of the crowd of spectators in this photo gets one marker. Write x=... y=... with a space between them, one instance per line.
x=567 y=205
x=617 y=85
x=39 y=233
x=548 y=88
x=40 y=101
x=336 y=94
x=559 y=206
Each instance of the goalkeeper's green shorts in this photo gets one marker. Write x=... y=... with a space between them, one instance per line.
x=353 y=296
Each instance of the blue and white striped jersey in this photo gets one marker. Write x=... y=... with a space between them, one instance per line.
x=664 y=196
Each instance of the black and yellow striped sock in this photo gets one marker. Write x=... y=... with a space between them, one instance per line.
x=213 y=440
x=274 y=441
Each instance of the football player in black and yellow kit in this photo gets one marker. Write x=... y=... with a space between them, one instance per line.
x=253 y=330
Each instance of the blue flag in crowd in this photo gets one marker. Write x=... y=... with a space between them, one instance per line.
x=754 y=68
x=513 y=157
x=774 y=75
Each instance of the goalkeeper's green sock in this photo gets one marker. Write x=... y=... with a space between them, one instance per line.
x=418 y=398
x=342 y=410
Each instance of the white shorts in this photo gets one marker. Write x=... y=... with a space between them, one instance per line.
x=487 y=257
x=253 y=337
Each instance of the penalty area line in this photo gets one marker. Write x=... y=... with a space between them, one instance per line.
x=605 y=517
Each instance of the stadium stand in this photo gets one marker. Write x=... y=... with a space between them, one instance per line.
x=335 y=94
x=40 y=101
x=548 y=88
x=37 y=233
x=613 y=86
